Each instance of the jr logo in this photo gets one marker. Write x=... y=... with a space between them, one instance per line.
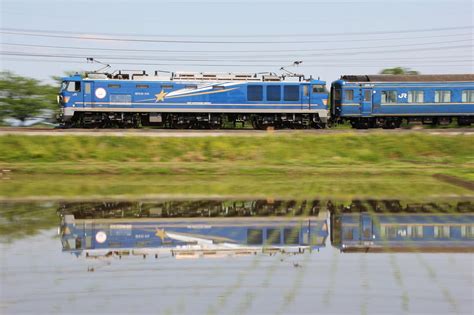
x=403 y=95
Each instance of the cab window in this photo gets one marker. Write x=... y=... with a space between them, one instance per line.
x=319 y=88
x=349 y=95
x=74 y=86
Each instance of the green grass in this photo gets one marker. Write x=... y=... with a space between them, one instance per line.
x=296 y=165
x=284 y=150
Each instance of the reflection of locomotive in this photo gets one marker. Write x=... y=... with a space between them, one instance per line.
x=106 y=233
x=403 y=232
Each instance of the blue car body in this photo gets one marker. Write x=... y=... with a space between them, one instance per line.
x=403 y=232
x=385 y=100
x=155 y=97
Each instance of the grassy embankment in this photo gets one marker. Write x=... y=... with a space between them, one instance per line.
x=297 y=165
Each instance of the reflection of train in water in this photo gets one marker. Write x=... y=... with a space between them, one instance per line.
x=104 y=230
x=404 y=231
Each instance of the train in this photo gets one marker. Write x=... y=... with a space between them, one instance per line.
x=213 y=228
x=169 y=230
x=186 y=100
x=390 y=226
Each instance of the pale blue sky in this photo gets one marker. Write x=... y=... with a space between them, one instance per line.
x=427 y=35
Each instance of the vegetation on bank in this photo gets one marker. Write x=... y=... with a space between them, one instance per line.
x=281 y=165
x=262 y=151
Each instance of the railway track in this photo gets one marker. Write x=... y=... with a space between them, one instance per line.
x=217 y=133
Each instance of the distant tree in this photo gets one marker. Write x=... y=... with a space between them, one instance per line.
x=58 y=79
x=23 y=98
x=398 y=70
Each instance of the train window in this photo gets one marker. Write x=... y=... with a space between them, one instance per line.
x=389 y=97
x=367 y=95
x=291 y=236
x=87 y=88
x=218 y=87
x=319 y=88
x=348 y=234
x=191 y=86
x=349 y=95
x=78 y=243
x=114 y=86
x=441 y=232
x=167 y=86
x=291 y=93
x=467 y=231
x=468 y=96
x=142 y=86
x=415 y=231
x=121 y=98
x=254 y=93
x=416 y=96
x=273 y=93
x=273 y=236
x=254 y=236
x=442 y=97
x=337 y=95
x=74 y=86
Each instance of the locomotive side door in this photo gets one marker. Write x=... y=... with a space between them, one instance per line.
x=305 y=96
x=366 y=227
x=365 y=101
x=88 y=88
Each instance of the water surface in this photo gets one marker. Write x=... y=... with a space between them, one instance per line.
x=238 y=256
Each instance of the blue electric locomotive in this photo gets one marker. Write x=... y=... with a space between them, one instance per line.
x=191 y=237
x=368 y=101
x=192 y=100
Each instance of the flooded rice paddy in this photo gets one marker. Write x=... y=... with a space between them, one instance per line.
x=236 y=256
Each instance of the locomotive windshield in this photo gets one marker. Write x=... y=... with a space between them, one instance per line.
x=71 y=86
x=319 y=88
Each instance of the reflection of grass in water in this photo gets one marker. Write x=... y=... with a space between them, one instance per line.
x=334 y=184
x=332 y=279
x=21 y=220
x=397 y=274
x=430 y=271
x=248 y=299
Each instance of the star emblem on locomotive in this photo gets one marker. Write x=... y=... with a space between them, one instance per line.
x=161 y=96
x=161 y=234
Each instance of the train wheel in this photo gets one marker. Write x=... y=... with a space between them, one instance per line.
x=389 y=124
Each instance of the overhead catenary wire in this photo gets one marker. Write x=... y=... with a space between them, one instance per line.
x=404 y=31
x=239 y=65
x=207 y=58
x=233 y=51
x=85 y=36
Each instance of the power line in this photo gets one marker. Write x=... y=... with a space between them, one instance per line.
x=126 y=60
x=128 y=57
x=423 y=30
x=246 y=65
x=280 y=62
x=233 y=51
x=117 y=39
